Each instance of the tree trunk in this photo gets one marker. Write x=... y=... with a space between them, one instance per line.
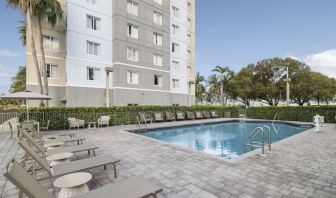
x=43 y=67
x=221 y=93
x=32 y=44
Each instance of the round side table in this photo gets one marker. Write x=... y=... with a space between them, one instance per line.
x=53 y=145
x=59 y=158
x=73 y=184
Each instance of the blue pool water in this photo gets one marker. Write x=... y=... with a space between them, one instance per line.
x=224 y=139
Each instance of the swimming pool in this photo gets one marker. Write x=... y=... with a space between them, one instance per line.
x=225 y=139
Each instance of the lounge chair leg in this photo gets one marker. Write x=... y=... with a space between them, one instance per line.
x=105 y=167
x=89 y=152
x=94 y=152
x=78 y=142
x=115 y=171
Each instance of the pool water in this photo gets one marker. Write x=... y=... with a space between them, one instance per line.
x=224 y=139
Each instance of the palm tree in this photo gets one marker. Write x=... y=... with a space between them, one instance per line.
x=52 y=10
x=200 y=89
x=22 y=30
x=212 y=83
x=25 y=6
x=224 y=75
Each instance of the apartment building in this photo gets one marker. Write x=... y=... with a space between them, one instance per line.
x=120 y=52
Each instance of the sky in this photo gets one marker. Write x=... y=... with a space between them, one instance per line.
x=230 y=33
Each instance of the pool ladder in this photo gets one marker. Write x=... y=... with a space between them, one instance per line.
x=140 y=124
x=252 y=143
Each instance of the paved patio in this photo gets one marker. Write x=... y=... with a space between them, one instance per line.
x=300 y=166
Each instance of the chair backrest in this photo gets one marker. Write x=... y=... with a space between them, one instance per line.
x=104 y=118
x=25 y=182
x=42 y=162
x=26 y=135
x=158 y=116
x=180 y=115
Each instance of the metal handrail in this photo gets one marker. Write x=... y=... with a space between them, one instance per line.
x=276 y=131
x=269 y=138
x=254 y=144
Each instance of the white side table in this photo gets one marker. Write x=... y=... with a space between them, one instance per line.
x=73 y=184
x=53 y=145
x=93 y=124
x=59 y=158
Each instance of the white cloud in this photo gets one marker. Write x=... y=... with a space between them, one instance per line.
x=323 y=62
x=8 y=53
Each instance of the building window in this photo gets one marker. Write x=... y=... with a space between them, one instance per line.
x=132 y=7
x=52 y=70
x=92 y=22
x=132 y=54
x=189 y=39
x=176 y=83
x=176 y=29
x=157 y=39
x=132 y=31
x=176 y=11
x=189 y=70
x=92 y=1
x=132 y=78
x=157 y=60
x=50 y=43
x=189 y=55
x=158 y=2
x=189 y=24
x=189 y=7
x=176 y=66
x=175 y=48
x=93 y=73
x=157 y=18
x=92 y=48
x=158 y=80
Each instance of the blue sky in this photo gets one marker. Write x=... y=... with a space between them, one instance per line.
x=231 y=33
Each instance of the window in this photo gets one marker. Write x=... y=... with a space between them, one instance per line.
x=176 y=29
x=132 y=31
x=92 y=1
x=93 y=73
x=189 y=70
x=176 y=65
x=158 y=80
x=176 y=11
x=50 y=43
x=189 y=24
x=52 y=70
x=157 y=18
x=132 y=54
x=92 y=22
x=189 y=7
x=132 y=78
x=157 y=60
x=175 y=48
x=189 y=39
x=157 y=39
x=189 y=55
x=132 y=7
x=92 y=48
x=176 y=83
x=158 y=2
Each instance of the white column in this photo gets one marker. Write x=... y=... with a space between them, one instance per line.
x=107 y=95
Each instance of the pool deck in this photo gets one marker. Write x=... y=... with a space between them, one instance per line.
x=303 y=165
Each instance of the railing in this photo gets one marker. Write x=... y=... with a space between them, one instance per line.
x=8 y=121
x=276 y=131
x=252 y=143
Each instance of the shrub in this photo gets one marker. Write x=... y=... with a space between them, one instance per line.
x=119 y=115
x=291 y=113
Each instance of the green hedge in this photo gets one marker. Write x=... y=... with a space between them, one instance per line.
x=304 y=114
x=119 y=115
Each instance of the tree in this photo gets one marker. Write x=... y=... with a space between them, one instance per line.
x=52 y=10
x=323 y=88
x=213 y=94
x=242 y=85
x=19 y=81
x=225 y=74
x=26 y=7
x=200 y=89
x=22 y=30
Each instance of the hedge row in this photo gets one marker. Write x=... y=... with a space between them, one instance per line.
x=297 y=113
x=119 y=115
